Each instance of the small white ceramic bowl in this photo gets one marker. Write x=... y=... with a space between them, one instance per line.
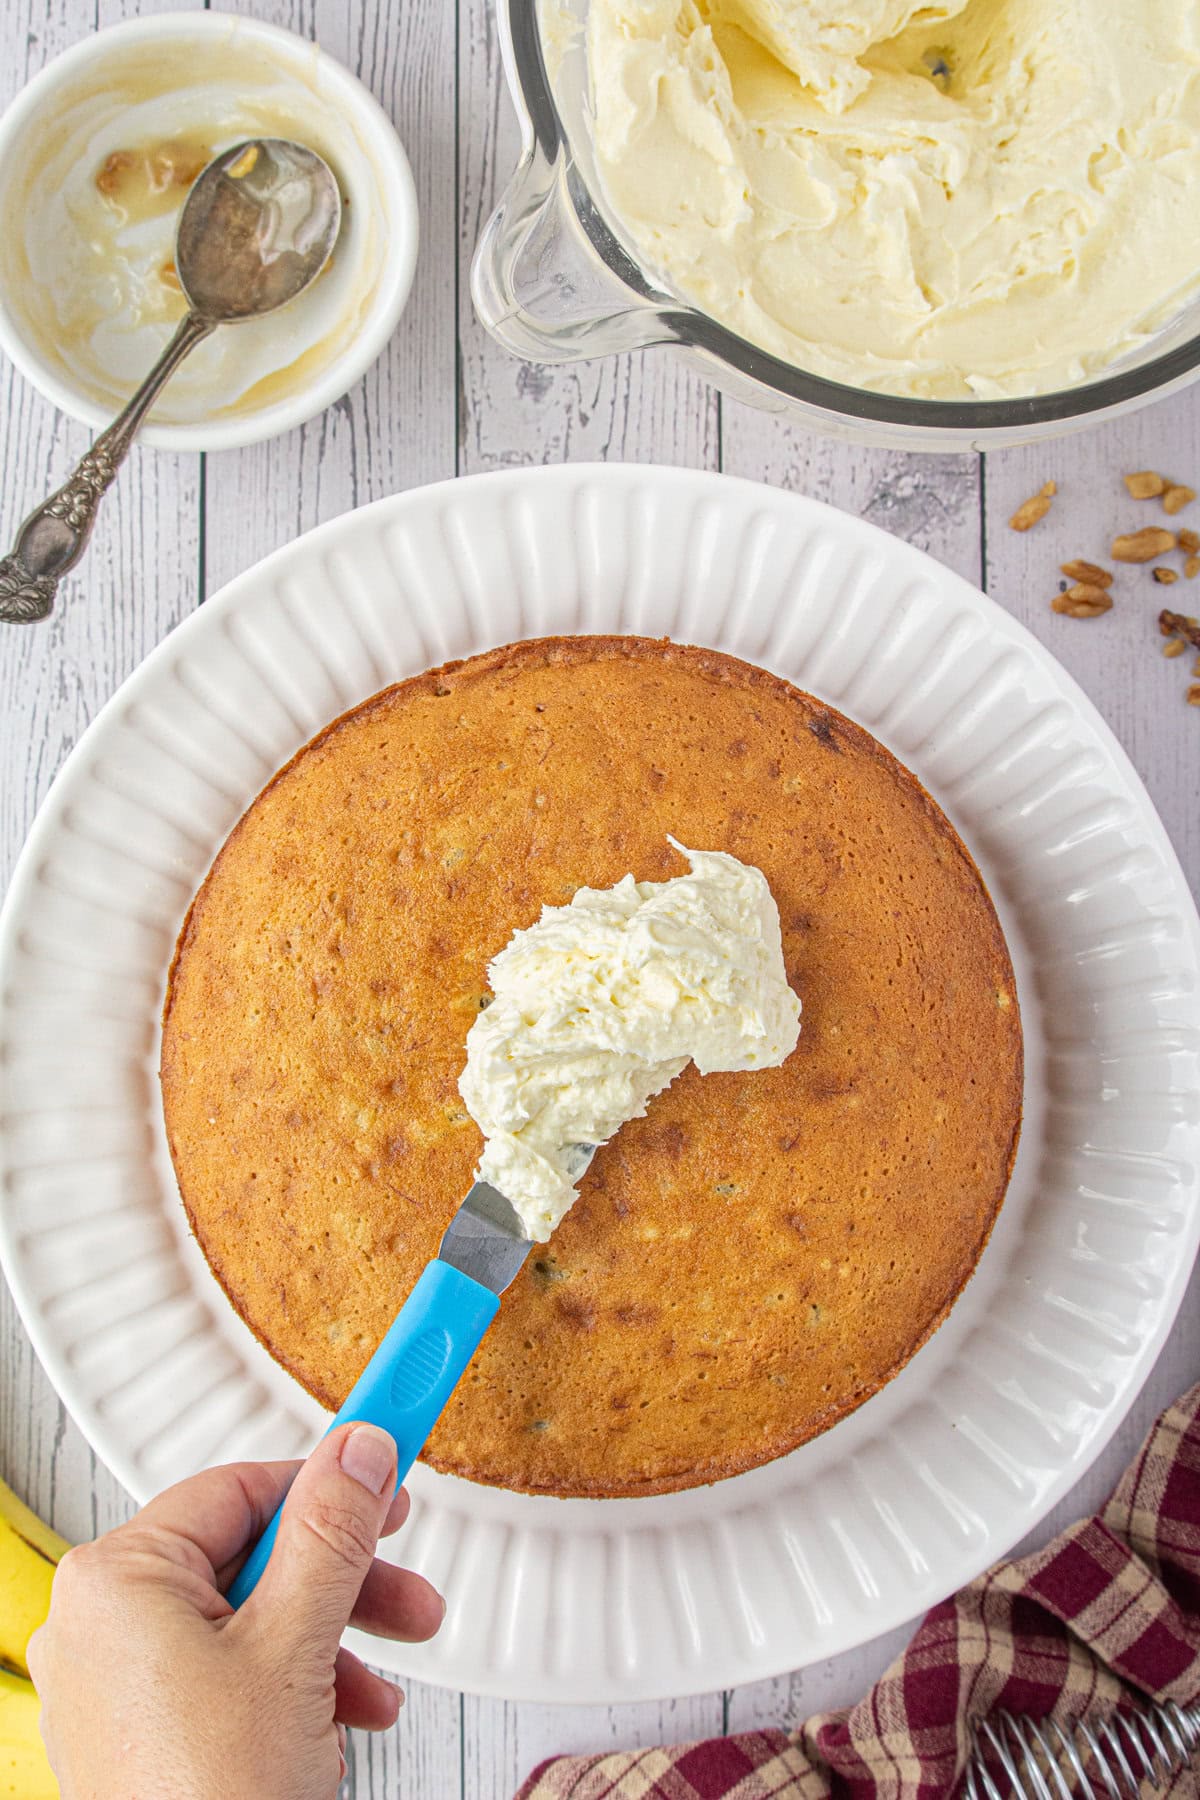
x=150 y=75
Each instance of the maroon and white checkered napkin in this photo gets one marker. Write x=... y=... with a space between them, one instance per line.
x=1109 y=1612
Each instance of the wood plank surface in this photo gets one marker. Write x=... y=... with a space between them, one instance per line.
x=397 y=427
x=931 y=501
x=444 y=399
x=137 y=582
x=631 y=409
x=1116 y=659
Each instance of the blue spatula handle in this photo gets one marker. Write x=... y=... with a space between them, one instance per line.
x=408 y=1380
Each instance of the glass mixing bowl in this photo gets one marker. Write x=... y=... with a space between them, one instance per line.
x=554 y=281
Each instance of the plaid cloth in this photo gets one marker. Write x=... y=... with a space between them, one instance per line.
x=1108 y=1612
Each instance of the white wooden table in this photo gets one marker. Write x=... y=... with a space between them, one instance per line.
x=443 y=400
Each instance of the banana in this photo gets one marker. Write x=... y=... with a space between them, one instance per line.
x=25 y=1772
x=29 y=1551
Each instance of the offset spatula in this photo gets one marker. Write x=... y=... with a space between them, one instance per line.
x=436 y=1333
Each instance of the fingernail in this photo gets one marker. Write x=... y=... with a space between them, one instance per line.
x=369 y=1457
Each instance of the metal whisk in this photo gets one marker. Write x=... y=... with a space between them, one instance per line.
x=1039 y=1760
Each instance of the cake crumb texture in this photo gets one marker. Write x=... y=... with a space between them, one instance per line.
x=746 y=1264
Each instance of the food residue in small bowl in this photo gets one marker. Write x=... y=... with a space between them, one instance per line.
x=153 y=179
x=90 y=205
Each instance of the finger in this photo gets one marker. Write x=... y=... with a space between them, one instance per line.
x=364 y=1700
x=221 y=1511
x=327 y=1536
x=224 y=1511
x=397 y=1513
x=395 y=1603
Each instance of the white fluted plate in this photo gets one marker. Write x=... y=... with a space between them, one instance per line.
x=998 y=1415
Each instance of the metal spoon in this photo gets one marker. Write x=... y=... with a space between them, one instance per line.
x=258 y=226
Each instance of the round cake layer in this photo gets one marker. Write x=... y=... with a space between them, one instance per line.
x=746 y=1264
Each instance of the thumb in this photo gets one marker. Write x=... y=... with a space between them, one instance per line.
x=327 y=1536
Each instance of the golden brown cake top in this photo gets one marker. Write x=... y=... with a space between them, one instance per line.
x=745 y=1264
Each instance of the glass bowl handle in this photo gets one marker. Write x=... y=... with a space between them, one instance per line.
x=540 y=287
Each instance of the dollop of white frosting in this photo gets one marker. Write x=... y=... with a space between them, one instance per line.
x=602 y=1003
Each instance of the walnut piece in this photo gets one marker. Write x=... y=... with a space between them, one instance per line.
x=1165 y=576
x=114 y=167
x=1143 y=546
x=1083 y=601
x=1189 y=541
x=1191 y=567
x=1173 y=624
x=1177 y=497
x=1174 y=647
x=1193 y=694
x=1092 y=573
x=1035 y=508
x=1144 y=484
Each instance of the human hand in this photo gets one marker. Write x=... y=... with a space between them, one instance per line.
x=153 y=1688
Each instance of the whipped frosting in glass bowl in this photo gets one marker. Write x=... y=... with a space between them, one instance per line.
x=96 y=158
x=959 y=199
x=674 y=151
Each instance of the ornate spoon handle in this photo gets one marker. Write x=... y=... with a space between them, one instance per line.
x=54 y=536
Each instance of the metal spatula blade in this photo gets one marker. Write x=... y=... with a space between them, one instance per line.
x=437 y=1331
